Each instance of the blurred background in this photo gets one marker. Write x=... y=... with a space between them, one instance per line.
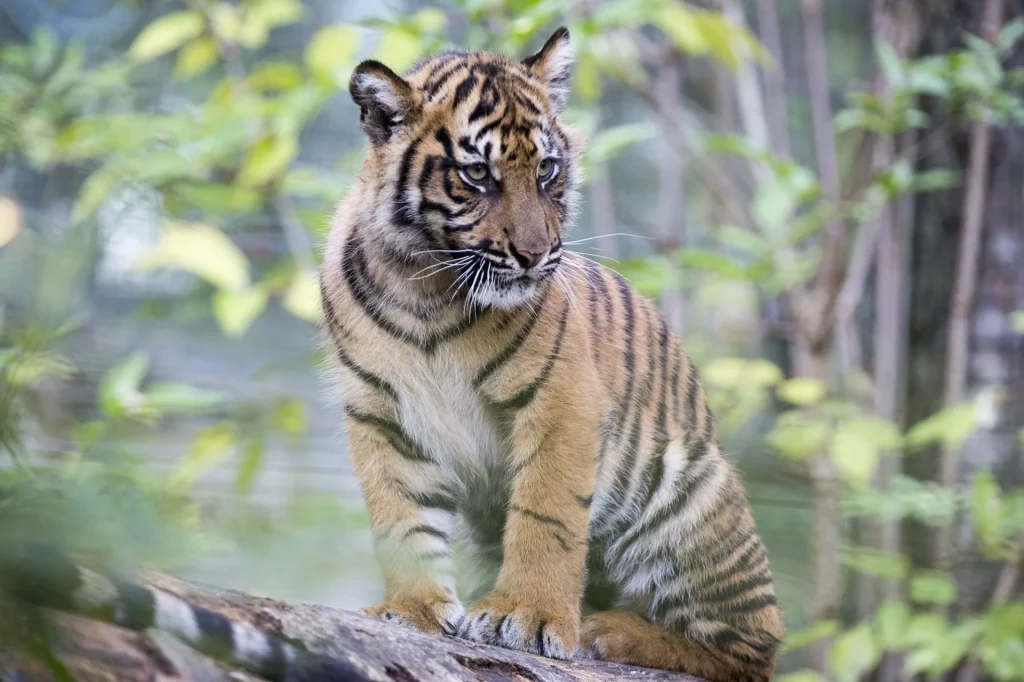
x=825 y=197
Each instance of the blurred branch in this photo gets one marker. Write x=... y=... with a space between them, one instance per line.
x=964 y=286
x=381 y=650
x=775 y=79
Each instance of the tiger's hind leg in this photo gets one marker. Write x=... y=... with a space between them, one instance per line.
x=728 y=656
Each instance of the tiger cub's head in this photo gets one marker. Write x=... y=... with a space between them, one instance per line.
x=473 y=165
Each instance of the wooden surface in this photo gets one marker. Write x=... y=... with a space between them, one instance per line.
x=382 y=651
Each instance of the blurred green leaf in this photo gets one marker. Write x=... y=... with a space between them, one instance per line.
x=254 y=450
x=891 y=622
x=801 y=391
x=331 y=51
x=611 y=142
x=430 y=20
x=986 y=506
x=1017 y=321
x=268 y=159
x=302 y=298
x=712 y=261
x=291 y=416
x=166 y=34
x=875 y=562
x=209 y=448
x=196 y=57
x=399 y=48
x=202 y=250
x=797 y=436
x=805 y=675
x=734 y=372
x=854 y=456
x=1009 y=34
x=890 y=64
x=235 y=311
x=881 y=433
x=119 y=389
x=932 y=587
x=176 y=396
x=819 y=630
x=853 y=654
x=951 y=426
x=935 y=180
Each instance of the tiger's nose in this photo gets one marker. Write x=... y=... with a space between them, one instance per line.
x=527 y=259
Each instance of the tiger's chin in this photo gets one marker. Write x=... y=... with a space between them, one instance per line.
x=507 y=295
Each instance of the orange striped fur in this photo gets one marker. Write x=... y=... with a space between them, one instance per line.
x=513 y=404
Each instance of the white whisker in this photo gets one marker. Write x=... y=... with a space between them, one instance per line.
x=603 y=236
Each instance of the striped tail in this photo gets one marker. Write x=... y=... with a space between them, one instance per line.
x=46 y=578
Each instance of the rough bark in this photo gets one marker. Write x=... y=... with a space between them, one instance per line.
x=93 y=651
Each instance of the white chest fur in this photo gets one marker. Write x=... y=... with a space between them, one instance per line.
x=442 y=411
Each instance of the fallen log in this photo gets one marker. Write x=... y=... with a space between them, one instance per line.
x=378 y=651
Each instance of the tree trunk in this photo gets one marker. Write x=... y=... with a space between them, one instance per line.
x=92 y=651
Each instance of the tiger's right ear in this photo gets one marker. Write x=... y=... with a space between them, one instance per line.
x=386 y=101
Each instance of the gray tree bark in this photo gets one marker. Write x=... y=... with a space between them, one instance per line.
x=384 y=652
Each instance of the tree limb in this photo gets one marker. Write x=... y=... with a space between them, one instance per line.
x=384 y=652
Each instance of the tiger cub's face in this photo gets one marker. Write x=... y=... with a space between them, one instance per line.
x=477 y=168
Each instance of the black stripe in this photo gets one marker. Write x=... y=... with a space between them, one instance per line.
x=652 y=476
x=217 y=637
x=751 y=605
x=624 y=471
x=677 y=361
x=663 y=341
x=730 y=592
x=539 y=517
x=426 y=530
x=137 y=605
x=627 y=355
x=463 y=90
x=595 y=341
x=561 y=542
x=679 y=501
x=444 y=501
x=431 y=89
x=486 y=128
x=352 y=263
x=335 y=328
x=444 y=137
x=394 y=433
x=508 y=351
x=527 y=394
x=585 y=501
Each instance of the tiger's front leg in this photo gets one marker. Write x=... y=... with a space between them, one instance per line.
x=412 y=513
x=535 y=603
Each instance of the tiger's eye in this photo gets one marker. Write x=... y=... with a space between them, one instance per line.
x=477 y=172
x=545 y=169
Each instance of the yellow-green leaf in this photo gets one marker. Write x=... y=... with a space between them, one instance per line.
x=291 y=416
x=166 y=34
x=196 y=57
x=891 y=622
x=273 y=13
x=1017 y=321
x=932 y=587
x=853 y=654
x=227 y=22
x=209 y=448
x=237 y=310
x=398 y=48
x=430 y=20
x=986 y=505
x=801 y=391
x=879 y=432
x=202 y=250
x=92 y=193
x=275 y=76
x=302 y=298
x=10 y=220
x=734 y=372
x=855 y=457
x=330 y=53
x=950 y=426
x=804 y=675
x=268 y=158
x=588 y=78
x=682 y=28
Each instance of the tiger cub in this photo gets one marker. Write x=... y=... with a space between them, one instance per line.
x=513 y=404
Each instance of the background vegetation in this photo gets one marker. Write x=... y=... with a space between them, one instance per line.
x=825 y=198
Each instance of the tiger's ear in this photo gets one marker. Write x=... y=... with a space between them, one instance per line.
x=386 y=101
x=553 y=65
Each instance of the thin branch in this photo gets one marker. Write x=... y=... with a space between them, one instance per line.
x=774 y=79
x=964 y=286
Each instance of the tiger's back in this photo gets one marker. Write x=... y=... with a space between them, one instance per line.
x=515 y=401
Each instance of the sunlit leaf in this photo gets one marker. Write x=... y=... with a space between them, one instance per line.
x=854 y=456
x=587 y=79
x=268 y=158
x=853 y=654
x=302 y=298
x=202 y=250
x=165 y=34
x=801 y=391
x=1009 y=34
x=932 y=587
x=890 y=64
x=119 y=389
x=275 y=76
x=681 y=26
x=10 y=220
x=28 y=367
x=611 y=142
x=273 y=13
x=196 y=57
x=712 y=261
x=935 y=180
x=986 y=506
x=227 y=21
x=875 y=562
x=176 y=396
x=950 y=426
x=796 y=437
x=235 y=311
x=430 y=20
x=399 y=48
x=331 y=50
x=733 y=372
x=881 y=433
x=818 y=631
x=890 y=623
x=253 y=451
x=805 y=675
x=209 y=448
x=291 y=416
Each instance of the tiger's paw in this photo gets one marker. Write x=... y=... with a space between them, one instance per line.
x=503 y=621
x=434 y=614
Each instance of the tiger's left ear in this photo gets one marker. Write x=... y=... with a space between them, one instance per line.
x=553 y=65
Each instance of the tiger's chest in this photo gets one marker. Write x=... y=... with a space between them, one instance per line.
x=446 y=415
